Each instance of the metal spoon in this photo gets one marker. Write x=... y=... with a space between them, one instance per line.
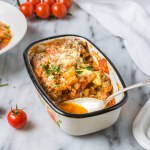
x=93 y=104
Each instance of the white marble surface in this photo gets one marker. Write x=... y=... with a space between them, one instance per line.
x=41 y=133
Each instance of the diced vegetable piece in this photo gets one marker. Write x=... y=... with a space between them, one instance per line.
x=95 y=66
x=85 y=72
x=68 y=74
x=72 y=80
x=38 y=71
x=103 y=65
x=70 y=77
x=86 y=92
x=93 y=91
x=102 y=95
x=50 y=77
x=107 y=87
x=97 y=81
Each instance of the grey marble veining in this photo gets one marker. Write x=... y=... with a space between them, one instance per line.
x=41 y=133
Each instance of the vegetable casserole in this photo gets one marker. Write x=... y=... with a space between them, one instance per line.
x=66 y=70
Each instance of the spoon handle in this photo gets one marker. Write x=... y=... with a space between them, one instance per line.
x=146 y=82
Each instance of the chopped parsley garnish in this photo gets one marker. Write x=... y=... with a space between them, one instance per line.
x=1 y=85
x=7 y=26
x=48 y=71
x=89 y=67
x=55 y=69
x=56 y=85
x=79 y=71
x=44 y=66
x=8 y=35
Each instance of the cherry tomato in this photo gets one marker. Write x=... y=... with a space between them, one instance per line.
x=67 y=3
x=17 y=118
x=59 y=10
x=43 y=10
x=49 y=2
x=27 y=9
x=34 y=2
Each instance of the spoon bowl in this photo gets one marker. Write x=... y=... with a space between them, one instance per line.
x=90 y=104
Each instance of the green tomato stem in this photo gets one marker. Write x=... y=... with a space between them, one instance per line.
x=18 y=3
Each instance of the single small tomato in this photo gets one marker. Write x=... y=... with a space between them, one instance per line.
x=34 y=2
x=43 y=10
x=49 y=2
x=59 y=10
x=67 y=3
x=17 y=118
x=27 y=9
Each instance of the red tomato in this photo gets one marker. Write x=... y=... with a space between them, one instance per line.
x=43 y=10
x=17 y=118
x=27 y=9
x=103 y=65
x=67 y=3
x=59 y=10
x=49 y=2
x=34 y=2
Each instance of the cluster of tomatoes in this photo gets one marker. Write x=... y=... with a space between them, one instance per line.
x=44 y=8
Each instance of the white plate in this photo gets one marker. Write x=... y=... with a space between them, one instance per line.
x=141 y=126
x=11 y=16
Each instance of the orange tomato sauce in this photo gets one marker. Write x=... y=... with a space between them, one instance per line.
x=111 y=103
x=72 y=108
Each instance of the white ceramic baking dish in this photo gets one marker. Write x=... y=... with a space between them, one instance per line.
x=80 y=124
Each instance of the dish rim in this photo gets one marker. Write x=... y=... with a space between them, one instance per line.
x=48 y=100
